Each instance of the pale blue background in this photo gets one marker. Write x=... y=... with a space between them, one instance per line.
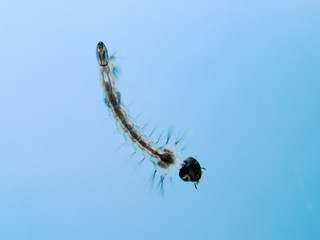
x=242 y=76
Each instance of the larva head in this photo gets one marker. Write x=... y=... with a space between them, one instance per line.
x=102 y=54
x=190 y=171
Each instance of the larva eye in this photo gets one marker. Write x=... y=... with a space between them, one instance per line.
x=102 y=54
x=185 y=178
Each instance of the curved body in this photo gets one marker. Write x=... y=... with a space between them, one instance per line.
x=164 y=158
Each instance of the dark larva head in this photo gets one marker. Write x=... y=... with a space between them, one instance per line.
x=190 y=171
x=102 y=54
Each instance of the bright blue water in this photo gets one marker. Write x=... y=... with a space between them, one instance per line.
x=244 y=77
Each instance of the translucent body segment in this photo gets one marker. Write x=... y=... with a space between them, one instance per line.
x=164 y=157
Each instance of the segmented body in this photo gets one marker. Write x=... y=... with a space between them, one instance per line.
x=164 y=158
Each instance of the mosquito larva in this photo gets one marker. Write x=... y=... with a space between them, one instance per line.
x=165 y=158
